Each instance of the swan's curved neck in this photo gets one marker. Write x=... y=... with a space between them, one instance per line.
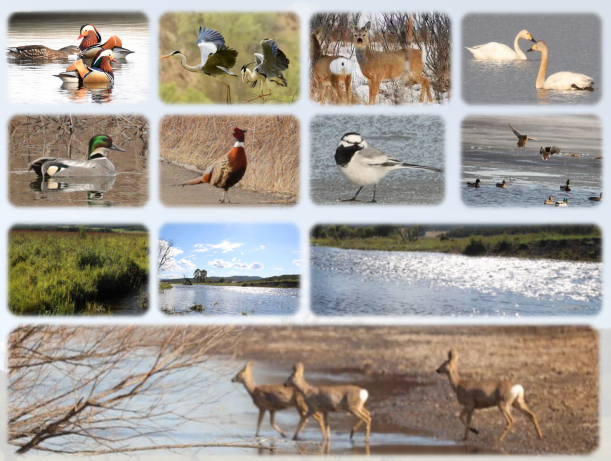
x=516 y=46
x=183 y=62
x=542 y=69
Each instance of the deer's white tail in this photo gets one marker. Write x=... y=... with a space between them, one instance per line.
x=517 y=392
x=341 y=66
x=364 y=395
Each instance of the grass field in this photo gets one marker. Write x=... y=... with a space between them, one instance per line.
x=53 y=272
x=536 y=245
x=272 y=147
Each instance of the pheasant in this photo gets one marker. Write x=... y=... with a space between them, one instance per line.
x=227 y=171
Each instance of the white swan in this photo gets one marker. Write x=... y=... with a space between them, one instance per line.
x=559 y=80
x=494 y=51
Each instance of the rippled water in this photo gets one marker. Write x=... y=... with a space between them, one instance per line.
x=229 y=300
x=130 y=304
x=34 y=82
x=417 y=139
x=489 y=152
x=355 y=282
x=574 y=43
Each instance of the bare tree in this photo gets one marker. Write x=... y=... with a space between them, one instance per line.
x=165 y=255
x=111 y=389
x=409 y=234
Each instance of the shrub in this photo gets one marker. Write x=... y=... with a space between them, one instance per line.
x=475 y=247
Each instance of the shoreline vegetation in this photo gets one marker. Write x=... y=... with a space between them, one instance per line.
x=74 y=270
x=581 y=243
x=291 y=281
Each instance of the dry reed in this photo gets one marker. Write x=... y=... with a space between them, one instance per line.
x=272 y=147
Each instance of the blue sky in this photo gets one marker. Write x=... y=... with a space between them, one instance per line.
x=225 y=250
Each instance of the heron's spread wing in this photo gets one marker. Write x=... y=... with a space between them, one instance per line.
x=210 y=36
x=223 y=59
x=258 y=59
x=273 y=58
x=516 y=132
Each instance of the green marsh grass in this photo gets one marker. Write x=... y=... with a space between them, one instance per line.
x=54 y=272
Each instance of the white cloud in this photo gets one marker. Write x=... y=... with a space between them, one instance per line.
x=200 y=250
x=298 y=251
x=262 y=247
x=277 y=269
x=256 y=266
x=242 y=253
x=233 y=259
x=219 y=264
x=226 y=246
x=171 y=276
x=188 y=264
x=240 y=265
x=297 y=262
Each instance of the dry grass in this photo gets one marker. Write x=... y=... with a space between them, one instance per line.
x=272 y=147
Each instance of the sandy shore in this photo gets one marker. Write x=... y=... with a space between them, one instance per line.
x=558 y=367
x=206 y=195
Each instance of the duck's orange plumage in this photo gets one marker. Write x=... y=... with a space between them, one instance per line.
x=228 y=170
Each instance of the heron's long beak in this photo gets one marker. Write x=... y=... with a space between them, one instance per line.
x=165 y=57
x=117 y=148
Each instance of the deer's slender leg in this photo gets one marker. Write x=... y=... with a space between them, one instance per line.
x=272 y=421
x=366 y=418
x=261 y=415
x=327 y=433
x=302 y=423
x=508 y=418
x=520 y=404
x=465 y=417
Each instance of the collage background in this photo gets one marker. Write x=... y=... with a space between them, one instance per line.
x=154 y=215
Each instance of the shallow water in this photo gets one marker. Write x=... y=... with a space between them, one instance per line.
x=416 y=139
x=130 y=304
x=128 y=188
x=574 y=43
x=356 y=282
x=229 y=300
x=34 y=82
x=234 y=417
x=489 y=152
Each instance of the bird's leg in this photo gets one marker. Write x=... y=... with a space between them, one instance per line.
x=353 y=199
x=373 y=200
x=225 y=198
x=228 y=93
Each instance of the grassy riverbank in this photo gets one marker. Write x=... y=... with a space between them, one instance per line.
x=55 y=272
x=165 y=286
x=537 y=245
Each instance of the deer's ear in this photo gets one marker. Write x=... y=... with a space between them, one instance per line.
x=249 y=364
x=367 y=26
x=452 y=355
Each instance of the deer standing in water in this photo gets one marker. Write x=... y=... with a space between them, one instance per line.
x=273 y=398
x=330 y=70
x=379 y=66
x=477 y=394
x=327 y=399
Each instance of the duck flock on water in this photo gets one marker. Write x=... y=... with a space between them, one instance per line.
x=545 y=153
x=94 y=57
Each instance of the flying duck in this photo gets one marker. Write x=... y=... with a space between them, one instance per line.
x=522 y=138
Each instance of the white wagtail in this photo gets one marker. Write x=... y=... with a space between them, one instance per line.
x=364 y=165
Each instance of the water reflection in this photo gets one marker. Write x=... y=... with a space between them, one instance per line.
x=33 y=81
x=93 y=188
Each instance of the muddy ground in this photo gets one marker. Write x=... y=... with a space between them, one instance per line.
x=206 y=195
x=557 y=366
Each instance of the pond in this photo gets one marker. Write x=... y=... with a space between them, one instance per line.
x=34 y=81
x=228 y=300
x=574 y=42
x=356 y=282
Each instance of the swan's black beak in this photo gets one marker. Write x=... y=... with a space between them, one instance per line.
x=532 y=49
x=532 y=39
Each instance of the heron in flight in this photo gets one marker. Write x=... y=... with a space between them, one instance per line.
x=217 y=59
x=269 y=67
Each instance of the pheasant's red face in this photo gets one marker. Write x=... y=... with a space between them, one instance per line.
x=238 y=133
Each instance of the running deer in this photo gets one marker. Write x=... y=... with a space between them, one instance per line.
x=475 y=395
x=378 y=66
x=327 y=399
x=273 y=398
x=330 y=71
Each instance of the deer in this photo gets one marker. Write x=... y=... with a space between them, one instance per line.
x=378 y=66
x=273 y=398
x=330 y=70
x=478 y=394
x=327 y=399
